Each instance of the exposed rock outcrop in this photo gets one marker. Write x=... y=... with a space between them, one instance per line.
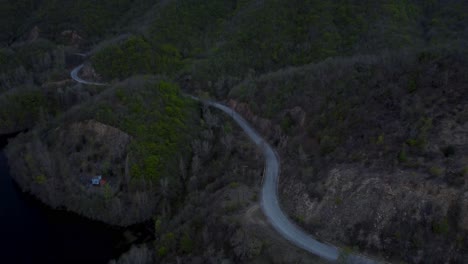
x=33 y=34
x=72 y=37
x=88 y=73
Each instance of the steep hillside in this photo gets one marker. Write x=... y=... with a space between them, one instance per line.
x=212 y=44
x=140 y=128
x=90 y=19
x=177 y=165
x=222 y=40
x=366 y=102
x=374 y=149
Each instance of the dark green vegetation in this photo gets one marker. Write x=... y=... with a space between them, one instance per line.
x=150 y=124
x=34 y=84
x=21 y=108
x=31 y=64
x=91 y=18
x=224 y=39
x=136 y=56
x=366 y=102
x=159 y=120
x=166 y=160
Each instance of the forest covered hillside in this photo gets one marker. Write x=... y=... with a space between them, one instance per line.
x=366 y=103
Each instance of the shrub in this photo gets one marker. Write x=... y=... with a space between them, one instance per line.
x=415 y=142
x=441 y=227
x=380 y=139
x=232 y=207
x=464 y=171
x=133 y=56
x=286 y=124
x=328 y=144
x=402 y=156
x=186 y=244
x=40 y=179
x=345 y=254
x=435 y=171
x=338 y=201
x=300 y=219
x=162 y=252
x=107 y=191
x=412 y=85
x=157 y=225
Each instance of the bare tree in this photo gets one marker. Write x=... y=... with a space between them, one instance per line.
x=126 y=179
x=196 y=165
x=165 y=194
x=227 y=142
x=303 y=157
x=183 y=170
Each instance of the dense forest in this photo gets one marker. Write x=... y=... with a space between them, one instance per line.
x=366 y=103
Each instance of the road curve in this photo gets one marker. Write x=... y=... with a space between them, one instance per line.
x=74 y=74
x=270 y=203
x=269 y=198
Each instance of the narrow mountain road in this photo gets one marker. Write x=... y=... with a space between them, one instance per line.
x=270 y=202
x=269 y=198
x=74 y=74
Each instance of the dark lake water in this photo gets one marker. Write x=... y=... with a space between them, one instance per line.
x=32 y=233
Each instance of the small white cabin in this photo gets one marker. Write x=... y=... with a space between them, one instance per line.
x=96 y=180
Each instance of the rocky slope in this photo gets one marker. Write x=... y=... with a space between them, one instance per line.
x=374 y=150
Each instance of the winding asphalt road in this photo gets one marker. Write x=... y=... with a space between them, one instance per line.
x=269 y=198
x=74 y=74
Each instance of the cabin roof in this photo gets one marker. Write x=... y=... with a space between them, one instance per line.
x=97 y=180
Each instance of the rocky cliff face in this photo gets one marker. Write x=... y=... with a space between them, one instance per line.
x=88 y=73
x=71 y=37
